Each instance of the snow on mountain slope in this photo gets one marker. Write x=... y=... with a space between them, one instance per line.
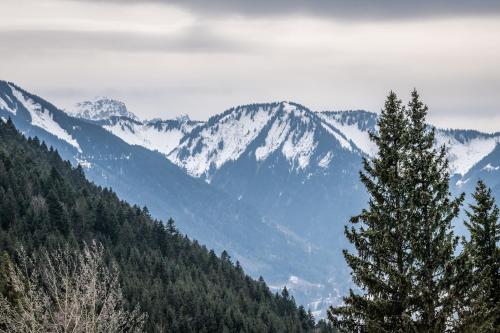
x=488 y=167
x=260 y=130
x=297 y=146
x=39 y=116
x=6 y=106
x=156 y=134
x=143 y=177
x=466 y=148
x=100 y=108
x=355 y=125
x=227 y=136
x=224 y=138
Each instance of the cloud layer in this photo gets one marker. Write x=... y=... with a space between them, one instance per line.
x=164 y=58
x=338 y=9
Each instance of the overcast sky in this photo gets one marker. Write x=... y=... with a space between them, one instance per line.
x=198 y=57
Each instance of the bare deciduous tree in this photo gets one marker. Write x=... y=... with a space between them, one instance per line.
x=66 y=291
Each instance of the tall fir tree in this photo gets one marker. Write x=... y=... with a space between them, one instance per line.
x=481 y=307
x=379 y=234
x=405 y=264
x=430 y=212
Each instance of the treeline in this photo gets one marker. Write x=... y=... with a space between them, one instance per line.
x=46 y=205
x=405 y=262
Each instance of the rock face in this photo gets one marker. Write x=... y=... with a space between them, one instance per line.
x=100 y=108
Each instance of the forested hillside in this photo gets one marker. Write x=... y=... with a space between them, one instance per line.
x=182 y=286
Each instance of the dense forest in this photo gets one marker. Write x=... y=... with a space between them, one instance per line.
x=405 y=260
x=46 y=205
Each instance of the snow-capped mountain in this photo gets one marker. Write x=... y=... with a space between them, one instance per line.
x=296 y=167
x=155 y=134
x=299 y=171
x=465 y=147
x=272 y=183
x=261 y=131
x=145 y=177
x=239 y=127
x=100 y=108
x=283 y=159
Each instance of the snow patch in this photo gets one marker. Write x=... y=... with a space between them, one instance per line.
x=300 y=149
x=461 y=182
x=490 y=167
x=4 y=106
x=84 y=163
x=464 y=155
x=42 y=118
x=144 y=134
x=359 y=137
x=224 y=141
x=343 y=142
x=274 y=139
x=325 y=161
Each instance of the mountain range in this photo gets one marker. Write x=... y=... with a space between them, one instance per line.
x=272 y=183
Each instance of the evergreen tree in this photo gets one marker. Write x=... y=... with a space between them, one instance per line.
x=171 y=228
x=7 y=288
x=405 y=263
x=430 y=211
x=481 y=311
x=379 y=234
x=56 y=212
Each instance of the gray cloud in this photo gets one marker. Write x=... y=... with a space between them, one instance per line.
x=195 y=40
x=164 y=58
x=338 y=9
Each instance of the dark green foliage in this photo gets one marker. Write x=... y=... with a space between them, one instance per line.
x=480 y=307
x=404 y=240
x=6 y=284
x=324 y=326
x=380 y=267
x=431 y=211
x=182 y=286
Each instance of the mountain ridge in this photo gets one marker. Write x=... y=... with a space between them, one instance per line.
x=284 y=180
x=148 y=178
x=343 y=122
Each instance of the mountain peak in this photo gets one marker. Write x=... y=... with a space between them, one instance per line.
x=260 y=131
x=183 y=118
x=101 y=108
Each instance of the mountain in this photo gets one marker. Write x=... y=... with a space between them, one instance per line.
x=300 y=173
x=182 y=287
x=100 y=108
x=299 y=170
x=470 y=153
x=274 y=183
x=282 y=159
x=145 y=177
x=112 y=115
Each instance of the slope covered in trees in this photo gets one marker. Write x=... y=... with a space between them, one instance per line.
x=182 y=286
